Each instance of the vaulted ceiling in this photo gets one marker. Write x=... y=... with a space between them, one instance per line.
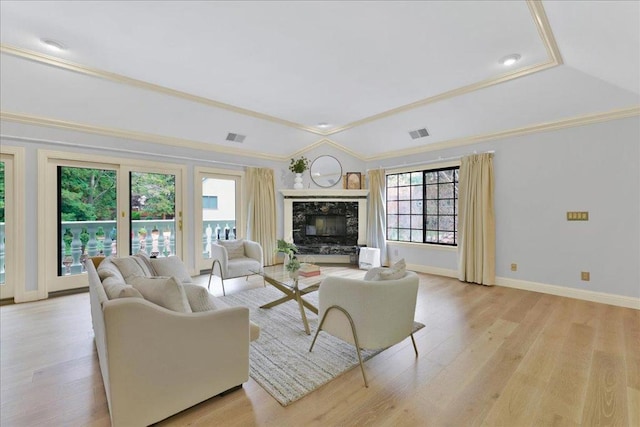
x=190 y=73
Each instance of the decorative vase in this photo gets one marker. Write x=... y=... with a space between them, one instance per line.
x=298 y=182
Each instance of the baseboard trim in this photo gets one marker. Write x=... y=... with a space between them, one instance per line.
x=433 y=270
x=562 y=291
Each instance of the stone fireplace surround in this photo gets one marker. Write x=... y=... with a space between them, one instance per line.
x=351 y=203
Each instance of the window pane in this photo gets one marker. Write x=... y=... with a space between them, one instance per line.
x=404 y=207
x=446 y=207
x=392 y=180
x=445 y=222
x=218 y=224
x=446 y=237
x=446 y=191
x=404 y=235
x=392 y=193
x=432 y=191
x=416 y=192
x=446 y=175
x=432 y=207
x=416 y=178
x=392 y=220
x=153 y=208
x=87 y=216
x=404 y=221
x=392 y=207
x=416 y=222
x=392 y=233
x=416 y=235
x=404 y=179
x=431 y=177
x=404 y=193
x=416 y=207
x=432 y=236
x=432 y=222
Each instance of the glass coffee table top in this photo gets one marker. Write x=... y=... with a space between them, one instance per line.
x=292 y=288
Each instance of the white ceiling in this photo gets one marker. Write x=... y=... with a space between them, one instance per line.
x=274 y=70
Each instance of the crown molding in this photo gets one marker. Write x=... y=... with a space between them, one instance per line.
x=541 y=127
x=326 y=141
x=535 y=6
x=138 y=136
x=118 y=78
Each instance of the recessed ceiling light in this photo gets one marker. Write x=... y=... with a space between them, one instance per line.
x=53 y=45
x=323 y=125
x=509 y=60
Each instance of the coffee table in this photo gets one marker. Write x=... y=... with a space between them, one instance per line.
x=292 y=288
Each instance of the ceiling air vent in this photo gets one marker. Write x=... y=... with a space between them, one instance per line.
x=420 y=133
x=235 y=137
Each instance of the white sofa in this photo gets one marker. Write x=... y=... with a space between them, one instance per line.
x=156 y=362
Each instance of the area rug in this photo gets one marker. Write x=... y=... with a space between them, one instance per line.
x=280 y=360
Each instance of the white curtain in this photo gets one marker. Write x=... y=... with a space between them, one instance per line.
x=376 y=220
x=476 y=220
x=261 y=210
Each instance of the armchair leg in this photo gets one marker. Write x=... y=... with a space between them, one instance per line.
x=353 y=331
x=213 y=266
x=414 y=345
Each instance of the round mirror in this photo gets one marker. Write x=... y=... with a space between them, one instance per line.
x=326 y=171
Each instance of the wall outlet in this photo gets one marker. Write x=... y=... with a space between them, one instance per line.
x=514 y=267
x=585 y=276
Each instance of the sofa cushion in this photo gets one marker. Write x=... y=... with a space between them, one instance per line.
x=200 y=299
x=108 y=269
x=131 y=266
x=171 y=266
x=373 y=273
x=112 y=286
x=167 y=292
x=235 y=248
x=130 y=292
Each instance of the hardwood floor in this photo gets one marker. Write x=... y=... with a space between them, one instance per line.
x=488 y=356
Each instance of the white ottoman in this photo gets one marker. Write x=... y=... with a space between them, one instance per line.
x=369 y=258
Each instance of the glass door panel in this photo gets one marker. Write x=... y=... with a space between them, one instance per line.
x=152 y=213
x=87 y=215
x=6 y=289
x=219 y=203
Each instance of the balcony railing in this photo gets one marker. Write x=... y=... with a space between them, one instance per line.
x=158 y=244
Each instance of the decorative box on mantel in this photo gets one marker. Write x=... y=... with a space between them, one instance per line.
x=326 y=224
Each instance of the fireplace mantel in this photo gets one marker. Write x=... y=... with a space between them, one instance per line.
x=326 y=195
x=312 y=193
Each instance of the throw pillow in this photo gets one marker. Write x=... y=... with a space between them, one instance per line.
x=200 y=299
x=113 y=286
x=145 y=263
x=108 y=269
x=130 y=292
x=171 y=266
x=373 y=273
x=131 y=266
x=167 y=292
x=397 y=271
x=235 y=248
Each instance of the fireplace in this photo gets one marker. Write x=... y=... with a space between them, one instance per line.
x=330 y=224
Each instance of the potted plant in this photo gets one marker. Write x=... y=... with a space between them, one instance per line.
x=298 y=167
x=292 y=264
x=67 y=238
x=84 y=239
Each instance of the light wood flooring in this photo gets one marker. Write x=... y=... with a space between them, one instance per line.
x=488 y=356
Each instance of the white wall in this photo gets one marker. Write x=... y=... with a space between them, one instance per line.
x=539 y=177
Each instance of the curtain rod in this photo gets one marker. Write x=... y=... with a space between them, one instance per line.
x=119 y=150
x=438 y=160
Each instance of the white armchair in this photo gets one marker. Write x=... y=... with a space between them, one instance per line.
x=235 y=258
x=368 y=314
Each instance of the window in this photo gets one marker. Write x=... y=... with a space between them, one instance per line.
x=209 y=202
x=422 y=206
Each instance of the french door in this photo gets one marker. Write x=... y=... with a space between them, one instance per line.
x=107 y=208
x=219 y=210
x=7 y=286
